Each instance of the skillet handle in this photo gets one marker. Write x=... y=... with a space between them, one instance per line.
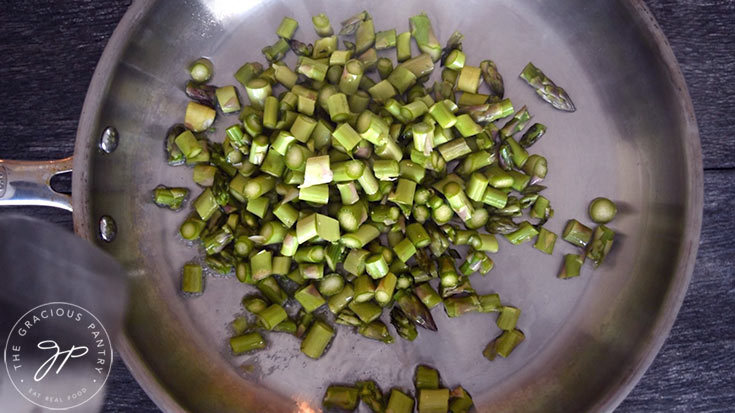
x=29 y=183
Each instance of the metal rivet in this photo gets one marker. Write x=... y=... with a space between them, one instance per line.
x=108 y=228
x=108 y=140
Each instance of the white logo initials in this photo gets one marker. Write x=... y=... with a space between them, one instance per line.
x=48 y=364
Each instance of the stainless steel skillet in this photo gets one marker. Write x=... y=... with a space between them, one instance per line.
x=632 y=139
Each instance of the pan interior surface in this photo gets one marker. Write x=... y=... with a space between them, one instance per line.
x=632 y=139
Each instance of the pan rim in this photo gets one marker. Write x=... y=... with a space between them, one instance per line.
x=85 y=224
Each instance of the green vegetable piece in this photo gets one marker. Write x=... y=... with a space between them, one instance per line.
x=602 y=210
x=508 y=318
x=247 y=342
x=309 y=298
x=433 y=401
x=504 y=344
x=545 y=241
x=426 y=377
x=399 y=402
x=192 y=280
x=572 y=266
x=577 y=233
x=525 y=232
x=341 y=397
x=317 y=339
x=271 y=316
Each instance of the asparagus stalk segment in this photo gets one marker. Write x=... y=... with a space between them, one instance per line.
x=508 y=318
x=254 y=304
x=316 y=340
x=572 y=266
x=602 y=210
x=171 y=198
x=321 y=25
x=341 y=397
x=339 y=301
x=459 y=400
x=422 y=31
x=456 y=306
x=504 y=344
x=426 y=377
x=371 y=395
x=376 y=330
x=247 y=342
x=191 y=279
x=433 y=400
x=599 y=247
x=350 y=25
x=545 y=241
x=309 y=298
x=577 y=233
x=271 y=316
x=366 y=311
x=399 y=402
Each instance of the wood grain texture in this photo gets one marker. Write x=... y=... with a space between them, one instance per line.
x=50 y=49
x=702 y=35
x=694 y=370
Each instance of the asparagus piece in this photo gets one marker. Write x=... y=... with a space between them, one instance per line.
x=533 y=134
x=453 y=43
x=577 y=233
x=572 y=265
x=602 y=210
x=422 y=31
x=399 y=402
x=504 y=344
x=415 y=310
x=171 y=198
x=321 y=25
x=247 y=342
x=317 y=339
x=201 y=70
x=376 y=330
x=459 y=400
x=404 y=327
x=348 y=317
x=492 y=77
x=426 y=377
x=547 y=89
x=371 y=395
x=304 y=322
x=599 y=247
x=191 y=279
x=254 y=304
x=341 y=397
x=309 y=298
x=271 y=316
x=434 y=401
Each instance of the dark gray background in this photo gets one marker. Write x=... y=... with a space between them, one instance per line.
x=49 y=49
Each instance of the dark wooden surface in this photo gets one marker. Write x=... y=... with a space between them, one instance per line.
x=49 y=50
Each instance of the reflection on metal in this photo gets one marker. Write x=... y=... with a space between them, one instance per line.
x=108 y=228
x=109 y=140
